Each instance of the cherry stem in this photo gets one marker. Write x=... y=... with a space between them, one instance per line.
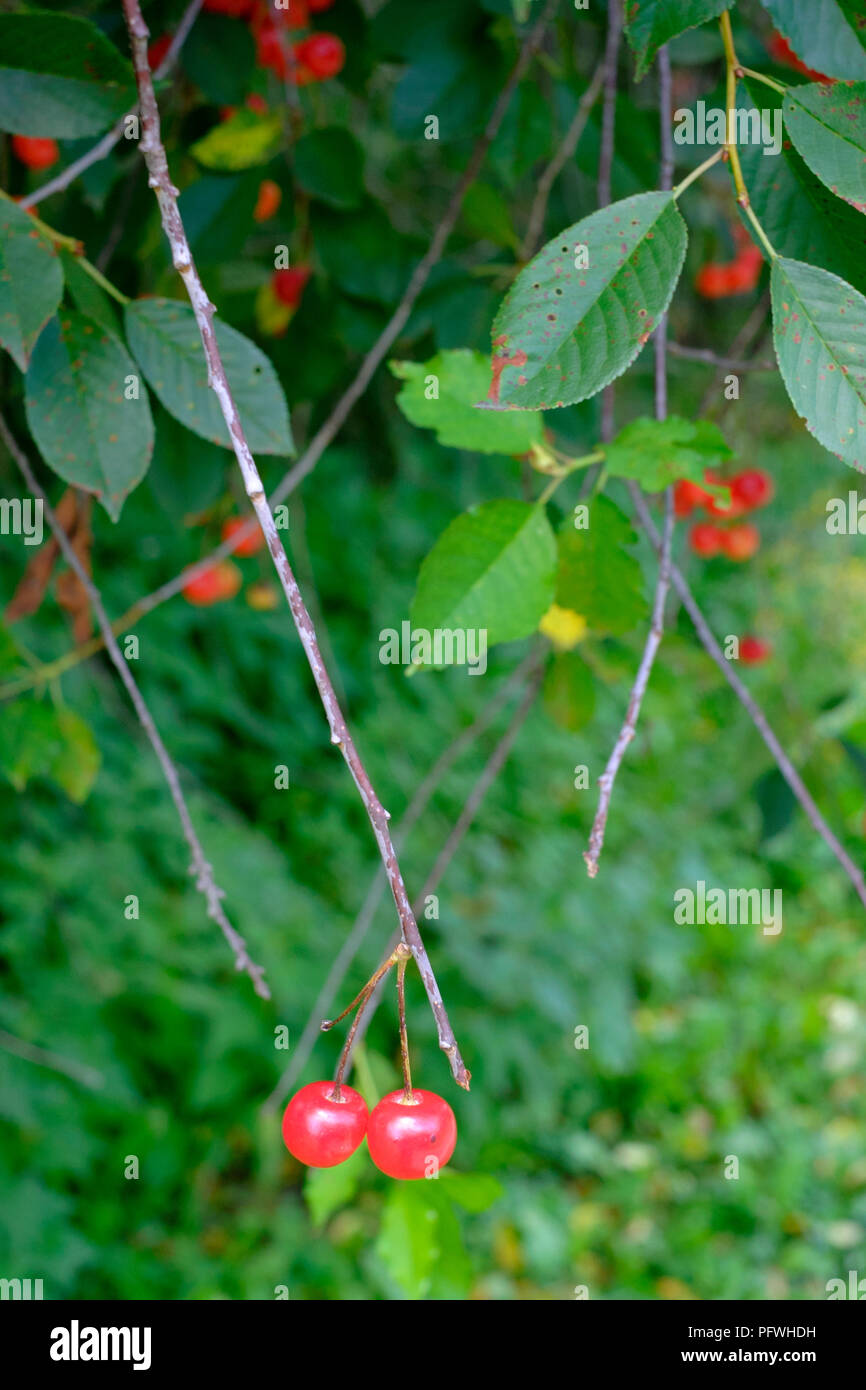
x=400 y=955
x=404 y=1039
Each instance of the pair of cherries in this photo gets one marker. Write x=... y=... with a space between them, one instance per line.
x=409 y=1133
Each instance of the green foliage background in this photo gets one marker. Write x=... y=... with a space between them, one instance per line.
x=601 y=1167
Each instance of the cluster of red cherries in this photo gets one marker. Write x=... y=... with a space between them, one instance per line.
x=410 y=1134
x=311 y=59
x=750 y=489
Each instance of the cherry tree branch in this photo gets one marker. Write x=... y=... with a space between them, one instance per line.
x=654 y=636
x=486 y=778
x=567 y=147
x=338 y=416
x=103 y=147
x=200 y=868
x=751 y=706
x=166 y=195
x=712 y=359
x=41 y=1057
x=360 y=927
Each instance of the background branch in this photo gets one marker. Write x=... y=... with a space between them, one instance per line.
x=656 y=631
x=103 y=147
x=200 y=869
x=486 y=778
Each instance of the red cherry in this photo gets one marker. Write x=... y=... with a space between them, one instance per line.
x=157 y=51
x=714 y=281
x=753 y=650
x=320 y=1130
x=687 y=496
x=251 y=544
x=316 y=6
x=321 y=55
x=705 y=539
x=36 y=153
x=740 y=542
x=288 y=285
x=752 y=488
x=256 y=102
x=269 y=50
x=269 y=197
x=296 y=14
x=217 y=582
x=403 y=1136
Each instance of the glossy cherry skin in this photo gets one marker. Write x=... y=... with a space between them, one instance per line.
x=403 y=1137
x=321 y=1131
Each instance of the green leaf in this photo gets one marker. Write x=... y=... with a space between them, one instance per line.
x=563 y=333
x=244 y=140
x=164 y=337
x=329 y=165
x=569 y=691
x=78 y=764
x=658 y=452
x=819 y=332
x=86 y=428
x=651 y=23
x=491 y=570
x=186 y=474
x=328 y=1189
x=407 y=1243
x=596 y=575
x=474 y=1192
x=827 y=125
x=826 y=35
x=461 y=379
x=31 y=282
x=37 y=740
x=60 y=76
x=90 y=299
x=802 y=218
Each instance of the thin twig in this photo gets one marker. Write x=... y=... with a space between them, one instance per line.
x=166 y=195
x=29 y=1052
x=567 y=147
x=360 y=927
x=486 y=778
x=654 y=636
x=200 y=868
x=335 y=421
x=104 y=146
x=712 y=359
x=752 y=708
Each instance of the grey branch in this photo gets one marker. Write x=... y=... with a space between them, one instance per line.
x=654 y=636
x=200 y=868
x=364 y=920
x=41 y=1057
x=712 y=359
x=752 y=708
x=485 y=780
x=102 y=149
x=567 y=147
x=166 y=195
